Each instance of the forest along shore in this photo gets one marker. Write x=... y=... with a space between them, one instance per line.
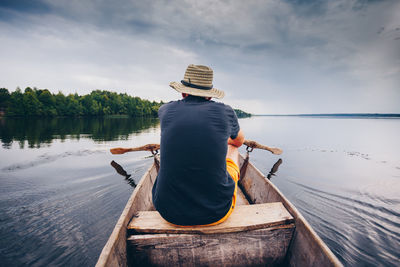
x=42 y=103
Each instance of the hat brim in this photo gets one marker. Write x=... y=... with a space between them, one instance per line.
x=214 y=92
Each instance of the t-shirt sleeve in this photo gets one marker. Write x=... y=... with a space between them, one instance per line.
x=234 y=123
x=161 y=110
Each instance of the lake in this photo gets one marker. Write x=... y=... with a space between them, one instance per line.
x=60 y=197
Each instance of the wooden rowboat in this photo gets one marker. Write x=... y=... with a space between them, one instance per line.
x=264 y=230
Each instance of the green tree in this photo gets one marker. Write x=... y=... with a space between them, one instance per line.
x=87 y=102
x=16 y=107
x=74 y=108
x=61 y=104
x=31 y=103
x=241 y=113
x=107 y=110
x=48 y=102
x=4 y=98
x=94 y=108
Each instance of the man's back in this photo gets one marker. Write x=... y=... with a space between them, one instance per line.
x=193 y=186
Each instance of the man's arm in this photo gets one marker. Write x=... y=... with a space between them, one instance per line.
x=238 y=141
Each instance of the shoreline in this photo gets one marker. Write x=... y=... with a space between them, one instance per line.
x=342 y=115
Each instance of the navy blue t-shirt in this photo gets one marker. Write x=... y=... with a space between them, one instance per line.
x=193 y=186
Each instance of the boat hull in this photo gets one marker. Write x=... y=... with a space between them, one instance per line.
x=305 y=247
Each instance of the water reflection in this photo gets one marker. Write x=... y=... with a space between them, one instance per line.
x=62 y=201
x=274 y=169
x=120 y=170
x=41 y=131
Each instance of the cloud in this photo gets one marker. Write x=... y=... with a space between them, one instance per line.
x=68 y=57
x=269 y=56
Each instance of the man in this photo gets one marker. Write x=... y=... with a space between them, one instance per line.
x=197 y=180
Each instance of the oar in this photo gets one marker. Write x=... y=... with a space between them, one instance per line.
x=148 y=147
x=274 y=168
x=120 y=170
x=254 y=144
x=153 y=147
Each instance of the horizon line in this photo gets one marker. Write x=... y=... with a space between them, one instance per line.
x=332 y=114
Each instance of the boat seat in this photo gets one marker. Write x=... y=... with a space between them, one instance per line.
x=254 y=235
x=243 y=218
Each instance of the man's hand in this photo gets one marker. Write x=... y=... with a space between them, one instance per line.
x=238 y=141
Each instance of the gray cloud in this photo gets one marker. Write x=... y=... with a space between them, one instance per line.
x=275 y=56
x=25 y=6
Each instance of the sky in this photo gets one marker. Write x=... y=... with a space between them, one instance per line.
x=270 y=57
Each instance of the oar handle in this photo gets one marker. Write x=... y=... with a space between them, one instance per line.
x=254 y=144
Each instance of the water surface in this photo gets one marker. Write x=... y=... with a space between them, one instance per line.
x=60 y=197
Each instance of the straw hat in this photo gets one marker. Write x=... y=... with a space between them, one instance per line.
x=198 y=81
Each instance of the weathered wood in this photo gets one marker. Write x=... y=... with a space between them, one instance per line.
x=264 y=247
x=243 y=218
x=148 y=147
x=114 y=252
x=241 y=198
x=153 y=147
x=254 y=144
x=306 y=248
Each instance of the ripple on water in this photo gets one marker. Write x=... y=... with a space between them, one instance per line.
x=359 y=226
x=46 y=158
x=56 y=224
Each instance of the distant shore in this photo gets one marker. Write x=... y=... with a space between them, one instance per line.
x=352 y=115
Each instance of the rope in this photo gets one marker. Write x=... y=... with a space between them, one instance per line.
x=156 y=159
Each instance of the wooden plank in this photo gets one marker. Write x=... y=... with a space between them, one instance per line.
x=243 y=218
x=114 y=252
x=241 y=198
x=263 y=247
x=306 y=248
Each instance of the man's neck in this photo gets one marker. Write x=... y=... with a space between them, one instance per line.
x=187 y=96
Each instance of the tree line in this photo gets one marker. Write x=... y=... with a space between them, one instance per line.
x=43 y=103
x=241 y=113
